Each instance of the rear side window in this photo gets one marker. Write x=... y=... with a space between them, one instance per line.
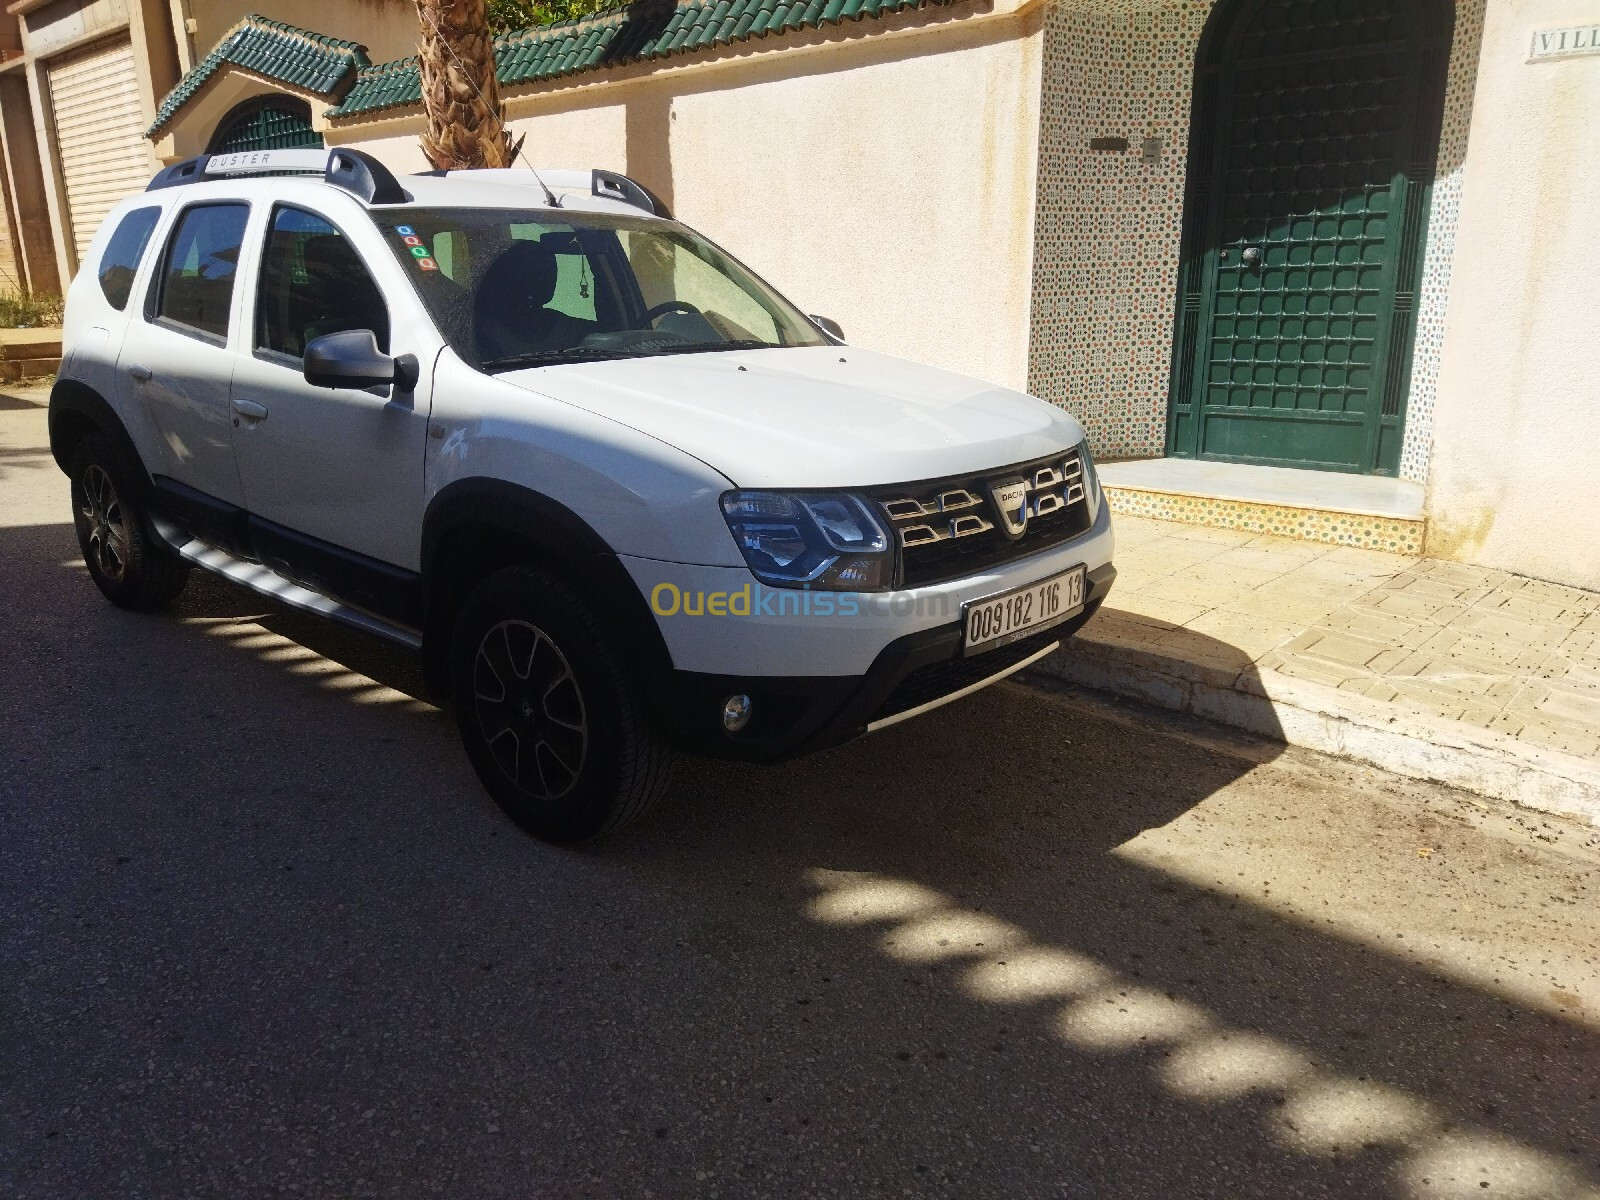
x=313 y=283
x=121 y=260
x=196 y=285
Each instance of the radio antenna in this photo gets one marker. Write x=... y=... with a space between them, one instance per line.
x=516 y=147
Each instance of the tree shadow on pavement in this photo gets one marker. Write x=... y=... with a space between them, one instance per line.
x=264 y=930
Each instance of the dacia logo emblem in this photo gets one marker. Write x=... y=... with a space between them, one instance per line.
x=1012 y=501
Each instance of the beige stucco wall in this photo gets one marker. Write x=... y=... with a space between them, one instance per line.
x=387 y=28
x=886 y=181
x=26 y=201
x=1517 y=425
x=54 y=27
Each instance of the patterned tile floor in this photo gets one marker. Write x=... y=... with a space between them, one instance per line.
x=1469 y=644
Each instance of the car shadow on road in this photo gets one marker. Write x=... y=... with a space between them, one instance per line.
x=1008 y=949
x=16 y=464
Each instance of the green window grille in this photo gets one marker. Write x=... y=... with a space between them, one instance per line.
x=269 y=127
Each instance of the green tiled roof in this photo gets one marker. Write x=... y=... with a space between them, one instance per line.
x=283 y=52
x=638 y=33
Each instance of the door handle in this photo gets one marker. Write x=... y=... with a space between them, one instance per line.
x=141 y=374
x=249 y=410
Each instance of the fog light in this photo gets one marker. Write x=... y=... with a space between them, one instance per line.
x=735 y=713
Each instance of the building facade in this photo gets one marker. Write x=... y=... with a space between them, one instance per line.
x=1302 y=264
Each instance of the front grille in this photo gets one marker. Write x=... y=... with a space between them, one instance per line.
x=940 y=679
x=951 y=528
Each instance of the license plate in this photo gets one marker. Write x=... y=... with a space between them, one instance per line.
x=1011 y=616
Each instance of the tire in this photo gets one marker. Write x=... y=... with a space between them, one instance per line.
x=548 y=716
x=128 y=563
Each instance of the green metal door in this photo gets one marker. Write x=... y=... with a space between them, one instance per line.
x=1316 y=129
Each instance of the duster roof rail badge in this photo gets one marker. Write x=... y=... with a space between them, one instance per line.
x=353 y=171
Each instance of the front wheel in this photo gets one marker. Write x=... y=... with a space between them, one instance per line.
x=129 y=566
x=549 y=719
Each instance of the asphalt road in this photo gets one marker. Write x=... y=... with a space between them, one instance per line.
x=261 y=934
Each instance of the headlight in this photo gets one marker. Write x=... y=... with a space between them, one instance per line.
x=833 y=541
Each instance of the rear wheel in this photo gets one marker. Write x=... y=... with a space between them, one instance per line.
x=128 y=564
x=549 y=719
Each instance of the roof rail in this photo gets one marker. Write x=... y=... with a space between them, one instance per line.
x=614 y=186
x=608 y=185
x=352 y=170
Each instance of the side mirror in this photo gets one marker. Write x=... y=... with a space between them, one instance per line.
x=828 y=326
x=351 y=359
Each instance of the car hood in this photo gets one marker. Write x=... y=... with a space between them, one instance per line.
x=813 y=417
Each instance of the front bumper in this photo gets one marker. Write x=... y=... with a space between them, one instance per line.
x=797 y=715
x=794 y=632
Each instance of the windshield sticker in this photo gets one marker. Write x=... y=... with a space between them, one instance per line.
x=419 y=252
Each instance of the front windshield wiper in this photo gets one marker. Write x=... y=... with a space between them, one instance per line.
x=574 y=354
x=550 y=358
x=703 y=347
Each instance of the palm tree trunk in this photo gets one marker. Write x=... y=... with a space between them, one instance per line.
x=460 y=94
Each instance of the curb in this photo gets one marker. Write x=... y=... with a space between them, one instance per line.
x=23 y=370
x=29 y=354
x=1301 y=713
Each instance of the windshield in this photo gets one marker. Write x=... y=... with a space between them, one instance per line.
x=512 y=289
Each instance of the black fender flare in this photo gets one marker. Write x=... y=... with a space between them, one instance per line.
x=540 y=527
x=73 y=406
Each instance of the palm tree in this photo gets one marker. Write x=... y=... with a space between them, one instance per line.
x=460 y=93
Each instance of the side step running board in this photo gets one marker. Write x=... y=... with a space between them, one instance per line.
x=267 y=582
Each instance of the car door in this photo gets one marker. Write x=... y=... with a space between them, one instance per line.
x=177 y=366
x=333 y=477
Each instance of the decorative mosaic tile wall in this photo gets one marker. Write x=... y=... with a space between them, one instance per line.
x=1392 y=534
x=1109 y=225
x=1440 y=250
x=1107 y=229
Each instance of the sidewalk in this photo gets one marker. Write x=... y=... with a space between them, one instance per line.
x=1473 y=677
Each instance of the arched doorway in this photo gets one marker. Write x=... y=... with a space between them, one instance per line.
x=1311 y=160
x=266 y=123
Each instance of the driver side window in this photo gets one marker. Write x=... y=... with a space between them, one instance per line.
x=313 y=283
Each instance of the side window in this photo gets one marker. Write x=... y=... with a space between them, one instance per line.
x=196 y=285
x=313 y=283
x=121 y=260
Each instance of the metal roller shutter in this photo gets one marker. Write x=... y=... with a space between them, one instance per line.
x=100 y=133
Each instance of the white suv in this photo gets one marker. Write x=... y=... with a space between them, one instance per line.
x=620 y=494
